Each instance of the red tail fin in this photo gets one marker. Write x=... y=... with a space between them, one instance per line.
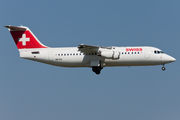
x=24 y=38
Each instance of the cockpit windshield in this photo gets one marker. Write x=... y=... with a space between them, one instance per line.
x=158 y=52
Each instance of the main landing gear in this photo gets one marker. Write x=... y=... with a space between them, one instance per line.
x=97 y=69
x=163 y=68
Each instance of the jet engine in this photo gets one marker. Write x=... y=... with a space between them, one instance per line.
x=110 y=54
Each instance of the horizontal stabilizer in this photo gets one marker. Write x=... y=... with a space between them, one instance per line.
x=14 y=28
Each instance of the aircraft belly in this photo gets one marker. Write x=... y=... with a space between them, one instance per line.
x=132 y=61
x=80 y=61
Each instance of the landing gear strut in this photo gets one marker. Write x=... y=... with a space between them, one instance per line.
x=163 y=68
x=97 y=69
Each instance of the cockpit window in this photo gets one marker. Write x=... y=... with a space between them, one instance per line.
x=158 y=52
x=161 y=52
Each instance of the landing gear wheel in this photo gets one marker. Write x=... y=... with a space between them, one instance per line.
x=97 y=69
x=163 y=68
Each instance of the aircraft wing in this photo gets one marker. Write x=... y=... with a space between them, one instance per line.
x=91 y=48
x=88 y=48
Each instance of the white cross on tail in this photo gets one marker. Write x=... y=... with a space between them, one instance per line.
x=24 y=39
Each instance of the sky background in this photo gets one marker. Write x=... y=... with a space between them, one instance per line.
x=35 y=91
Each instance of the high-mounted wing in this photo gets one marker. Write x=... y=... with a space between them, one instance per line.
x=88 y=48
x=106 y=52
x=91 y=48
x=85 y=46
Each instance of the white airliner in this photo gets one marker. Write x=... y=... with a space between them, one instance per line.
x=95 y=57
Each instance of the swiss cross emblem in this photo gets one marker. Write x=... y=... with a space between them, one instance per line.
x=24 y=39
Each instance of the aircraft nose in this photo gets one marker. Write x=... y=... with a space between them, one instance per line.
x=172 y=59
x=168 y=58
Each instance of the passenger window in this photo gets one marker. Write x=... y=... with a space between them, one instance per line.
x=76 y=53
x=64 y=54
x=132 y=52
x=61 y=54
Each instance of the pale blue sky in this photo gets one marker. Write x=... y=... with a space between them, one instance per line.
x=34 y=91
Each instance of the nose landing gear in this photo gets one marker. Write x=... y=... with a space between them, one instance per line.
x=163 y=68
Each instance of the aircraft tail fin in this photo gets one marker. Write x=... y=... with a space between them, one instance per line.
x=24 y=38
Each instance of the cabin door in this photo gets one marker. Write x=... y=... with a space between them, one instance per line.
x=51 y=56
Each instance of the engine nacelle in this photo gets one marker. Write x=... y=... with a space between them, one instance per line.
x=110 y=54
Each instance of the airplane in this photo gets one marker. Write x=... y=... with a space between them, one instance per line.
x=95 y=57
